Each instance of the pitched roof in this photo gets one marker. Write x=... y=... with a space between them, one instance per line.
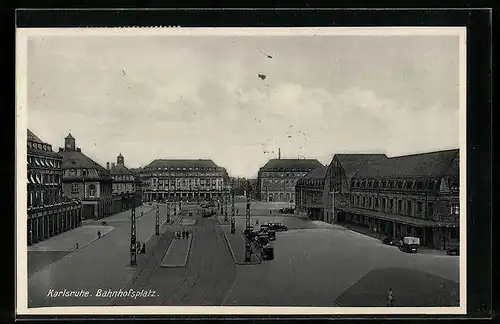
x=353 y=162
x=291 y=164
x=119 y=169
x=316 y=174
x=167 y=163
x=78 y=160
x=423 y=165
x=33 y=138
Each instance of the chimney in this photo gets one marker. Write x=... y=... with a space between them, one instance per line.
x=279 y=153
x=107 y=165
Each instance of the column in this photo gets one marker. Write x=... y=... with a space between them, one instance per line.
x=30 y=231
x=46 y=226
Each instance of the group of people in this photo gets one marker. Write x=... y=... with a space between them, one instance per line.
x=182 y=234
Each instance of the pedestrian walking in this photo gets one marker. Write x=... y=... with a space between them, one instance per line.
x=98 y=234
x=76 y=246
x=237 y=211
x=270 y=212
x=183 y=234
x=390 y=298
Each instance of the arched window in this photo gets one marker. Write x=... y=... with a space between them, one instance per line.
x=84 y=172
x=72 y=173
x=375 y=184
x=400 y=184
x=91 y=190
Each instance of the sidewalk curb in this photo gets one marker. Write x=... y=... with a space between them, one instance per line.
x=185 y=258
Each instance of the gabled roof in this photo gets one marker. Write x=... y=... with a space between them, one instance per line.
x=172 y=163
x=424 y=165
x=120 y=169
x=33 y=138
x=352 y=163
x=316 y=174
x=78 y=160
x=299 y=164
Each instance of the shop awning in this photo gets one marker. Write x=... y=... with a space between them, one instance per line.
x=37 y=162
x=418 y=222
x=30 y=178
x=38 y=178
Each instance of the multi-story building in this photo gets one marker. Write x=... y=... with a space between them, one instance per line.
x=49 y=212
x=186 y=180
x=277 y=178
x=309 y=193
x=123 y=178
x=337 y=182
x=86 y=180
x=413 y=195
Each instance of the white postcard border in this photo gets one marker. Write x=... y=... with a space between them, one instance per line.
x=21 y=298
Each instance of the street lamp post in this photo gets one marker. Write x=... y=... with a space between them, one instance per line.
x=226 y=196
x=157 y=225
x=248 y=247
x=233 y=217
x=133 y=237
x=168 y=211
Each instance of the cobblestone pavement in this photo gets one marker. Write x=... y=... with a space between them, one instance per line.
x=204 y=281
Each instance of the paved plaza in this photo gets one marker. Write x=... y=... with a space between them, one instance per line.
x=315 y=264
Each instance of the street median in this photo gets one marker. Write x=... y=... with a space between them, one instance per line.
x=177 y=253
x=236 y=244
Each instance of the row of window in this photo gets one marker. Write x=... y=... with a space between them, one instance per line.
x=74 y=172
x=123 y=177
x=179 y=175
x=43 y=162
x=40 y=146
x=392 y=205
x=280 y=196
x=38 y=178
x=186 y=181
x=396 y=184
x=188 y=169
x=38 y=198
x=91 y=189
x=310 y=182
x=270 y=181
x=311 y=198
x=282 y=175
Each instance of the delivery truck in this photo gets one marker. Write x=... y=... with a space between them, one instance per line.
x=410 y=244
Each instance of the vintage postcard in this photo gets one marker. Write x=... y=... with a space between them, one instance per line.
x=241 y=171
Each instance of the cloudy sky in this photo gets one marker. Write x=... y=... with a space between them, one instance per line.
x=202 y=97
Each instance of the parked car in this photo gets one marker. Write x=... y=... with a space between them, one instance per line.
x=262 y=240
x=389 y=240
x=264 y=228
x=278 y=227
x=410 y=244
x=453 y=251
x=267 y=253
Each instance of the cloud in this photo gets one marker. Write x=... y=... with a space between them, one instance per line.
x=201 y=98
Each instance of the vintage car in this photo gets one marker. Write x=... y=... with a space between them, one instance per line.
x=262 y=240
x=410 y=244
x=389 y=240
x=453 y=250
x=267 y=253
x=278 y=227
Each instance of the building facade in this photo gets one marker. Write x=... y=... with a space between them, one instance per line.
x=337 y=181
x=183 y=180
x=309 y=194
x=49 y=212
x=123 y=178
x=277 y=178
x=413 y=195
x=86 y=180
